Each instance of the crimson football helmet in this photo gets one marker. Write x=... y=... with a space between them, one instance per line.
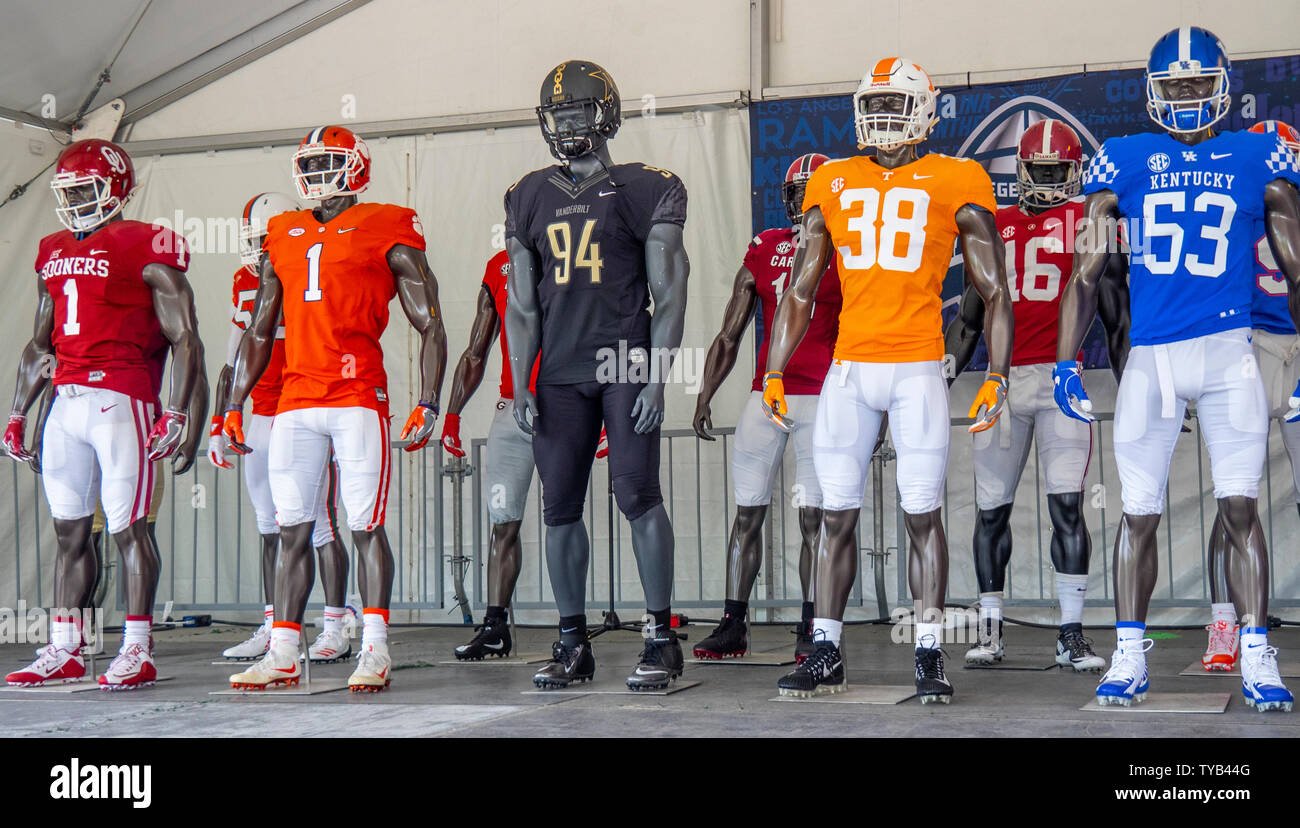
x=1049 y=164
x=252 y=225
x=796 y=180
x=346 y=171
x=92 y=181
x=1289 y=134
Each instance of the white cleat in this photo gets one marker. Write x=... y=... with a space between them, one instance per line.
x=132 y=668
x=1221 y=652
x=374 y=669
x=989 y=647
x=1126 y=680
x=255 y=647
x=278 y=666
x=1260 y=682
x=329 y=647
x=52 y=666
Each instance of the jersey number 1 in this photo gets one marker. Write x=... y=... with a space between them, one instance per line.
x=72 y=327
x=313 y=292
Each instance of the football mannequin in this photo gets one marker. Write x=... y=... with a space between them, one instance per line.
x=591 y=243
x=760 y=443
x=1038 y=233
x=1200 y=194
x=332 y=272
x=112 y=295
x=891 y=221
x=332 y=644
x=1275 y=345
x=508 y=470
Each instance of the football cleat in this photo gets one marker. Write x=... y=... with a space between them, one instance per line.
x=132 y=668
x=492 y=639
x=1126 y=680
x=278 y=666
x=1260 y=682
x=988 y=647
x=661 y=662
x=255 y=647
x=1225 y=644
x=374 y=669
x=330 y=646
x=931 y=684
x=567 y=664
x=1073 y=650
x=52 y=666
x=803 y=643
x=728 y=639
x=821 y=673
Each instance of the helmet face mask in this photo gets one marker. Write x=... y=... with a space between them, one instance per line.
x=1187 y=81
x=330 y=162
x=580 y=109
x=1049 y=165
x=572 y=128
x=92 y=182
x=894 y=105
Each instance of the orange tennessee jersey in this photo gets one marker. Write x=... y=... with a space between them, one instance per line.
x=893 y=231
x=337 y=287
x=266 y=394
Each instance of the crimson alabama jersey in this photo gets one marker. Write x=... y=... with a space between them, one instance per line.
x=494 y=282
x=337 y=287
x=106 y=334
x=769 y=258
x=266 y=394
x=1040 y=254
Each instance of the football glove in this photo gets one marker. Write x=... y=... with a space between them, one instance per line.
x=1067 y=390
x=992 y=396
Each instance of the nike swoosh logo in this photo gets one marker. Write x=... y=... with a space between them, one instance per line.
x=1215 y=156
x=102 y=410
x=346 y=229
x=286 y=669
x=919 y=177
x=497 y=646
x=641 y=672
x=93 y=252
x=602 y=193
x=567 y=629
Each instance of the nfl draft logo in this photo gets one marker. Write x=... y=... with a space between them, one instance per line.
x=1158 y=163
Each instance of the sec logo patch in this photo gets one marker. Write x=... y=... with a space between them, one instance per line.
x=1159 y=162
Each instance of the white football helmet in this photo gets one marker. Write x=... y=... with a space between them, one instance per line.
x=890 y=130
x=252 y=225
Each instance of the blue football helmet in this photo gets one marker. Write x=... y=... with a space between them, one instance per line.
x=1188 y=52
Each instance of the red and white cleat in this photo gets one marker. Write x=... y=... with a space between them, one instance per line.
x=52 y=666
x=132 y=668
x=278 y=666
x=374 y=670
x=1221 y=654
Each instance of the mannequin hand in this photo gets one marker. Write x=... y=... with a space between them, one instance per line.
x=1068 y=391
x=525 y=411
x=420 y=425
x=165 y=435
x=774 y=400
x=992 y=396
x=451 y=436
x=233 y=427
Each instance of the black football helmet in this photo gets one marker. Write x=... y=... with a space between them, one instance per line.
x=580 y=108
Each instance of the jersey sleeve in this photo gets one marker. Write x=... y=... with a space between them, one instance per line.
x=661 y=199
x=1103 y=170
x=514 y=228
x=752 y=257
x=1280 y=162
x=401 y=225
x=978 y=188
x=165 y=247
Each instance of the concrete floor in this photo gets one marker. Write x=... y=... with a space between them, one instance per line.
x=431 y=699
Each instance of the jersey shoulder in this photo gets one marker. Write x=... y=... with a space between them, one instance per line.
x=53 y=242
x=636 y=173
x=530 y=183
x=285 y=223
x=148 y=243
x=772 y=236
x=497 y=271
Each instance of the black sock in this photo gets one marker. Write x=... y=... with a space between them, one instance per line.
x=808 y=611
x=573 y=630
x=495 y=614
x=662 y=619
x=1076 y=627
x=736 y=609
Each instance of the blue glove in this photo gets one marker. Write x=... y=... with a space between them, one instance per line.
x=1294 y=402
x=1067 y=390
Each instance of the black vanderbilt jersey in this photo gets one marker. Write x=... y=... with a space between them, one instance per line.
x=590 y=240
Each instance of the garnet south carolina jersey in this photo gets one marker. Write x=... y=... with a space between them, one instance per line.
x=893 y=231
x=590 y=242
x=494 y=282
x=1268 y=302
x=1192 y=213
x=106 y=334
x=266 y=394
x=1040 y=256
x=769 y=259
x=337 y=286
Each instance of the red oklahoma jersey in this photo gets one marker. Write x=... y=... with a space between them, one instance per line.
x=1040 y=255
x=494 y=282
x=337 y=287
x=266 y=394
x=769 y=258
x=106 y=334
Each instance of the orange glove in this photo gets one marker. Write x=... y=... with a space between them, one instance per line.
x=991 y=397
x=774 y=400
x=233 y=426
x=419 y=426
x=602 y=447
x=451 y=436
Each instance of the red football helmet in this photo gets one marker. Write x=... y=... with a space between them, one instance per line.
x=1049 y=164
x=346 y=170
x=92 y=181
x=1289 y=135
x=796 y=180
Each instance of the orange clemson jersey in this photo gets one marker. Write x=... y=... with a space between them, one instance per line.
x=337 y=287
x=266 y=394
x=893 y=232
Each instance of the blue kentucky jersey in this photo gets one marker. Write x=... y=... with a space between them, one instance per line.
x=1191 y=215
x=1268 y=306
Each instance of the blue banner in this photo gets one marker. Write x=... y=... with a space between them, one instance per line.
x=985 y=122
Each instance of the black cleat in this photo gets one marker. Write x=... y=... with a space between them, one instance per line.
x=567 y=664
x=661 y=662
x=492 y=639
x=822 y=672
x=803 y=644
x=931 y=684
x=728 y=639
x=1075 y=651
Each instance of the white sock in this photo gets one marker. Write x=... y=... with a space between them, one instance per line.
x=1224 y=612
x=991 y=606
x=1253 y=640
x=375 y=630
x=929 y=636
x=334 y=619
x=136 y=632
x=63 y=635
x=287 y=636
x=830 y=629
x=268 y=616
x=1129 y=635
x=1070 y=592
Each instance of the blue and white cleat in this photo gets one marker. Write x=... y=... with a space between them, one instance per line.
x=1126 y=680
x=1260 y=682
